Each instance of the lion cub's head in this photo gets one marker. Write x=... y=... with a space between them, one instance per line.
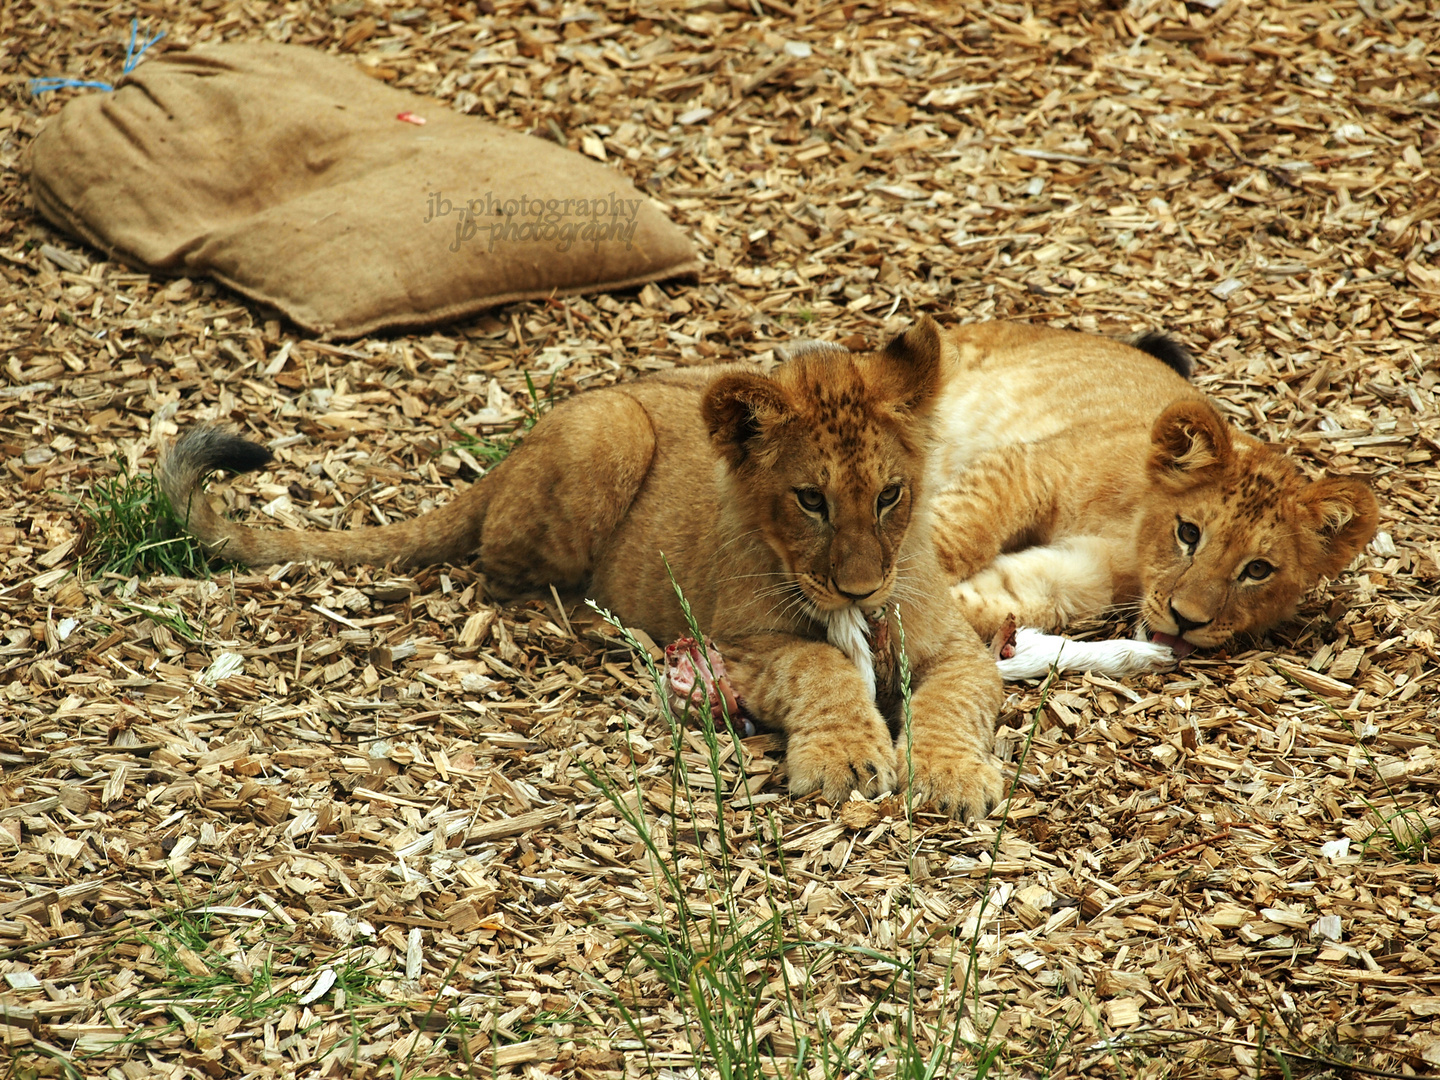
x=827 y=460
x=1234 y=535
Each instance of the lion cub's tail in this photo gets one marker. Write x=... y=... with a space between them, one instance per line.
x=446 y=534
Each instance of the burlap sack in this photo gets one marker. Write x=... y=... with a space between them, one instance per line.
x=299 y=181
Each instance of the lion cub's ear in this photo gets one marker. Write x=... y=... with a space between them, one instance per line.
x=1345 y=519
x=738 y=408
x=1190 y=443
x=913 y=365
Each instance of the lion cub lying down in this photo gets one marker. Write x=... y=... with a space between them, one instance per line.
x=1084 y=474
x=1088 y=474
x=794 y=511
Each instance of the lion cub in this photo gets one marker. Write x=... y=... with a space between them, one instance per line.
x=1087 y=474
x=794 y=510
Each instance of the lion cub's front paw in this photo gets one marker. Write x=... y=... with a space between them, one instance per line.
x=963 y=783
x=858 y=757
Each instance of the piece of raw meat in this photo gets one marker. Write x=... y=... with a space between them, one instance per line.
x=693 y=677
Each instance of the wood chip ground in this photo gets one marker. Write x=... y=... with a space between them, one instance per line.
x=317 y=822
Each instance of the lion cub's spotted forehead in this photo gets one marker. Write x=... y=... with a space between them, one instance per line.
x=1261 y=485
x=848 y=418
x=1251 y=508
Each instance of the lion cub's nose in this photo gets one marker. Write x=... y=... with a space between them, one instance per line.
x=1184 y=625
x=857 y=589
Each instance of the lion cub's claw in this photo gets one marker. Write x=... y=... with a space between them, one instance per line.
x=963 y=785
x=863 y=760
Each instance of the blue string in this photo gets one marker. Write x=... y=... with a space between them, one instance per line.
x=132 y=58
x=132 y=61
x=44 y=86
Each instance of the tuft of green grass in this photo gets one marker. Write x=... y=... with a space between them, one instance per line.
x=1409 y=831
x=199 y=983
x=196 y=983
x=357 y=978
x=131 y=528
x=201 y=976
x=169 y=616
x=493 y=449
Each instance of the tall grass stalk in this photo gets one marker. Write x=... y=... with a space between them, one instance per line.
x=742 y=979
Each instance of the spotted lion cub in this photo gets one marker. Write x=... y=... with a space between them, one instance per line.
x=1088 y=474
x=795 y=513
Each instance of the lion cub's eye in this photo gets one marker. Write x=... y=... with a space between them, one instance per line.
x=1188 y=533
x=811 y=500
x=888 y=497
x=1257 y=570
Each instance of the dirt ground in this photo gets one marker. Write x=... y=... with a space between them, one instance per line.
x=317 y=821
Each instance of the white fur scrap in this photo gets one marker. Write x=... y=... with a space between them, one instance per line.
x=1036 y=652
x=846 y=630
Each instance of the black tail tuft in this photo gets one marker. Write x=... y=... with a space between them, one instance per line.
x=210 y=448
x=182 y=470
x=1165 y=349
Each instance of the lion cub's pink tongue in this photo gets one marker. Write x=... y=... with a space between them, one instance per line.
x=1179 y=646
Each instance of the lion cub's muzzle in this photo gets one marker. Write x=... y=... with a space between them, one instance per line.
x=860 y=573
x=856 y=594
x=868 y=593
x=1180 y=626
x=827 y=589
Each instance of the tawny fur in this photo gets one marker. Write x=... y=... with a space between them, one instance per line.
x=708 y=466
x=1073 y=459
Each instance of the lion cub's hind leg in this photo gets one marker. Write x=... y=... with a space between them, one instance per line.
x=563 y=491
x=1043 y=587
